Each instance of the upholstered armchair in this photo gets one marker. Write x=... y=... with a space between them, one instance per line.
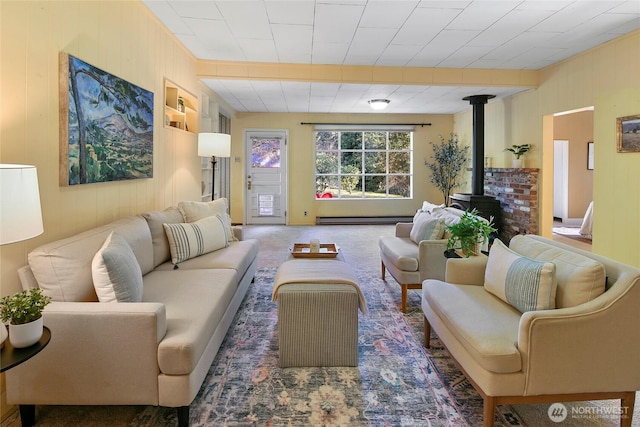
x=411 y=263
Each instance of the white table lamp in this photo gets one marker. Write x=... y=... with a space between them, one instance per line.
x=20 y=212
x=214 y=145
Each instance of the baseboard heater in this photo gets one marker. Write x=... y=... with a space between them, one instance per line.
x=361 y=220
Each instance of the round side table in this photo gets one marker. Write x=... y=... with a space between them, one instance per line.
x=11 y=356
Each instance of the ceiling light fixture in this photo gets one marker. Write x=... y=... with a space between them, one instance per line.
x=379 y=104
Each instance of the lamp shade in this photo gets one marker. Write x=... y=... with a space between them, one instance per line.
x=20 y=213
x=214 y=144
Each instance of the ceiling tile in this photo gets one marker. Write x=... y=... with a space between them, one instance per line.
x=336 y=23
x=197 y=9
x=290 y=12
x=246 y=19
x=423 y=25
x=480 y=15
x=379 y=14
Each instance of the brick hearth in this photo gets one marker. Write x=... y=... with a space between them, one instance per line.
x=517 y=191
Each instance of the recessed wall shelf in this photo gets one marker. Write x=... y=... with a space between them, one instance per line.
x=180 y=108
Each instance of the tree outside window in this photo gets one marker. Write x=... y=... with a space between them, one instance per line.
x=363 y=164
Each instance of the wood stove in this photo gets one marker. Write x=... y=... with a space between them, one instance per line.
x=488 y=207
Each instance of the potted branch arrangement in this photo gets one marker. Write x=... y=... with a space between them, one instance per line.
x=448 y=159
x=518 y=151
x=469 y=233
x=23 y=311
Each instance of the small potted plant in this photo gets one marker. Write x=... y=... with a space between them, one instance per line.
x=469 y=233
x=23 y=311
x=518 y=150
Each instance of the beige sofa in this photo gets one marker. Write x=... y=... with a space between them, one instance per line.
x=154 y=352
x=410 y=259
x=584 y=346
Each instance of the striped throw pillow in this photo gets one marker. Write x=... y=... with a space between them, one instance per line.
x=189 y=240
x=524 y=283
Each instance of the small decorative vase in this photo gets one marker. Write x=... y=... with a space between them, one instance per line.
x=517 y=163
x=27 y=334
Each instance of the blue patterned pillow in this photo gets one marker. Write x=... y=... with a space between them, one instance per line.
x=116 y=274
x=524 y=283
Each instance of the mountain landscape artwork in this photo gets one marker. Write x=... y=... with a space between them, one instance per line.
x=106 y=132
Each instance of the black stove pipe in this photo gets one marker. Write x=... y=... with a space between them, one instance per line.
x=477 y=175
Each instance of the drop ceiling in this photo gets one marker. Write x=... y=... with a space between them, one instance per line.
x=472 y=34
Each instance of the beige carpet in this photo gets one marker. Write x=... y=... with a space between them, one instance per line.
x=359 y=246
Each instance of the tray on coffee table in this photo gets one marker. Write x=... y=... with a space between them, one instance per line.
x=303 y=250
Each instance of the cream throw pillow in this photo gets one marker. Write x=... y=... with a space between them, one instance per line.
x=194 y=211
x=189 y=240
x=580 y=278
x=116 y=274
x=524 y=283
x=426 y=228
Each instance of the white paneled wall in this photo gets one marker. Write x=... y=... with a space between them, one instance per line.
x=120 y=37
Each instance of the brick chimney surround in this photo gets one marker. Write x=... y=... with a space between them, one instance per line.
x=517 y=192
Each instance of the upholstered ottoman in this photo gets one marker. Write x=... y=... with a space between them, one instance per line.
x=318 y=302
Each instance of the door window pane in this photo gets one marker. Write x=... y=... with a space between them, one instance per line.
x=265 y=152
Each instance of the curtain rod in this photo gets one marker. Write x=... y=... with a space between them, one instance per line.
x=368 y=124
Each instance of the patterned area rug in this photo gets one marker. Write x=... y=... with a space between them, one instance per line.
x=397 y=383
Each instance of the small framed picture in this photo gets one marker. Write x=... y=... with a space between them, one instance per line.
x=590 y=156
x=628 y=132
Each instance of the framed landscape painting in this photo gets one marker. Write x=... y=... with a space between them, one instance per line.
x=106 y=126
x=628 y=133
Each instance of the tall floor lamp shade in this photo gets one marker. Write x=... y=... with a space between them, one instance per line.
x=20 y=213
x=214 y=145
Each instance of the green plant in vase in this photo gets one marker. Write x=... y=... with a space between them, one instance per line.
x=471 y=231
x=518 y=151
x=23 y=307
x=23 y=312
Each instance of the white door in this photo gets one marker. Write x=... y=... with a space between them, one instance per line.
x=266 y=177
x=561 y=179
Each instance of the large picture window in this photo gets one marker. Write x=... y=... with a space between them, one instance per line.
x=363 y=164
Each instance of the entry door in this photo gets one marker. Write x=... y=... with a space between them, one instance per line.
x=266 y=177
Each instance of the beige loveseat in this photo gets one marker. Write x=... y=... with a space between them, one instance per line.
x=581 y=343
x=410 y=257
x=154 y=352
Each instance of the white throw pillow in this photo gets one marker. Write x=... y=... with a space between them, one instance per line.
x=194 y=211
x=189 y=240
x=431 y=207
x=426 y=228
x=116 y=274
x=524 y=283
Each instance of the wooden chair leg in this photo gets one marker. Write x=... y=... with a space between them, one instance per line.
x=384 y=270
x=489 y=411
x=427 y=333
x=404 y=298
x=627 y=404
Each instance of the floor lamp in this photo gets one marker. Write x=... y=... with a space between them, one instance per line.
x=214 y=145
x=20 y=213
